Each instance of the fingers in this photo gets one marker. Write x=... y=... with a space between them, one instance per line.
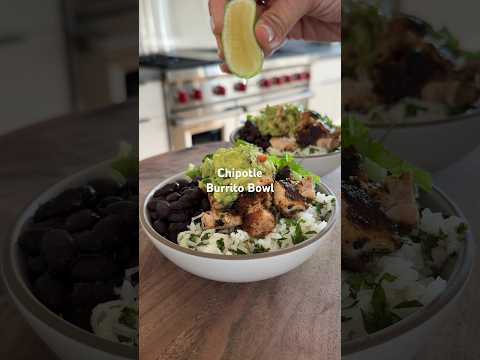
x=276 y=22
x=217 y=12
x=311 y=29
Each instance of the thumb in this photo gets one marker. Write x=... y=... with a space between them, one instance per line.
x=276 y=22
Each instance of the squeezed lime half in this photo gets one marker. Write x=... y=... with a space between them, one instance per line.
x=243 y=55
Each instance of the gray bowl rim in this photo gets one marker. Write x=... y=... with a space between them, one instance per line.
x=19 y=290
x=455 y=284
x=152 y=234
x=233 y=137
x=403 y=125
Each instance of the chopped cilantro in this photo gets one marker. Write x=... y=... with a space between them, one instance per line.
x=259 y=249
x=462 y=229
x=220 y=245
x=412 y=110
x=129 y=317
x=298 y=236
x=238 y=251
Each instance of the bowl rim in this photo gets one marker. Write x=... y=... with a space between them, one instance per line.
x=455 y=284
x=313 y=156
x=403 y=125
x=23 y=296
x=154 y=236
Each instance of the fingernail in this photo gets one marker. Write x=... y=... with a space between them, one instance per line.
x=269 y=31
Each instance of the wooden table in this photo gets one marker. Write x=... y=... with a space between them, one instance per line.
x=33 y=159
x=294 y=316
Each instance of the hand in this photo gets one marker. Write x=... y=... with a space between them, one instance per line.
x=311 y=20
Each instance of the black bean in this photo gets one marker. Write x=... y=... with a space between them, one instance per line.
x=182 y=183
x=123 y=256
x=173 y=197
x=177 y=216
x=89 y=195
x=65 y=203
x=178 y=226
x=105 y=186
x=36 y=265
x=111 y=231
x=87 y=243
x=182 y=203
x=153 y=216
x=127 y=210
x=163 y=209
x=81 y=220
x=160 y=226
x=205 y=204
x=107 y=201
x=58 y=250
x=197 y=212
x=192 y=195
x=152 y=205
x=51 y=292
x=94 y=268
x=167 y=189
x=30 y=241
x=91 y=294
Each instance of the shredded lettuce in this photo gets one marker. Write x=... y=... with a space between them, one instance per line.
x=355 y=134
x=287 y=160
x=126 y=162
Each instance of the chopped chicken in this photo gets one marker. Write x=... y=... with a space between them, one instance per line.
x=258 y=222
x=452 y=93
x=309 y=130
x=287 y=198
x=397 y=200
x=214 y=219
x=283 y=143
x=306 y=188
x=365 y=228
x=330 y=143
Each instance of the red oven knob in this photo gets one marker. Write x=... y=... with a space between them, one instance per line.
x=278 y=80
x=297 y=76
x=240 y=87
x=220 y=90
x=305 y=76
x=287 y=79
x=182 y=97
x=265 y=83
x=197 y=95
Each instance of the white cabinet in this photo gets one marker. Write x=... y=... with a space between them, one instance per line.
x=152 y=131
x=326 y=84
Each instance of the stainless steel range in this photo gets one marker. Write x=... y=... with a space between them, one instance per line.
x=204 y=104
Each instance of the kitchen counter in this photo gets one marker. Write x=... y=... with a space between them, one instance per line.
x=293 y=316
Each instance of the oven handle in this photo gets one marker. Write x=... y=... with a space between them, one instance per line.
x=242 y=109
x=229 y=112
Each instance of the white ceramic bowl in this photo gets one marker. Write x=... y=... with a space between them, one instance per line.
x=228 y=268
x=431 y=145
x=67 y=341
x=402 y=340
x=320 y=164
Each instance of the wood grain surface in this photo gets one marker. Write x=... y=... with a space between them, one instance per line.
x=33 y=159
x=184 y=317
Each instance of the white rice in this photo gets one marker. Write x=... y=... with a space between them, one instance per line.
x=311 y=221
x=416 y=276
x=306 y=151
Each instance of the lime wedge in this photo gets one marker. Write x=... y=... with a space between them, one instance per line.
x=243 y=55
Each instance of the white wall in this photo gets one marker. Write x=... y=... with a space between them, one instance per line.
x=33 y=66
x=170 y=24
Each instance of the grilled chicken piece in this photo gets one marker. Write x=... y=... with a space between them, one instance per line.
x=397 y=200
x=215 y=219
x=287 y=198
x=365 y=228
x=306 y=188
x=331 y=142
x=309 y=130
x=283 y=143
x=258 y=221
x=452 y=93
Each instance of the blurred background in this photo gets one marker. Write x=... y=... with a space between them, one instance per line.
x=184 y=98
x=72 y=55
